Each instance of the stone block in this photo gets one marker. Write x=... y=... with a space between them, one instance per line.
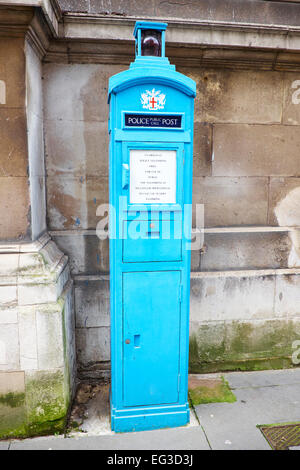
x=78 y=6
x=284 y=200
x=8 y=315
x=234 y=96
x=34 y=91
x=242 y=345
x=227 y=298
x=247 y=11
x=92 y=304
x=93 y=346
x=69 y=337
x=291 y=102
x=38 y=293
x=202 y=149
x=8 y=296
x=255 y=150
x=28 y=339
x=35 y=145
x=49 y=329
x=46 y=401
x=231 y=201
x=14 y=209
x=13 y=138
x=76 y=147
x=123 y=7
x=86 y=253
x=9 y=347
x=265 y=250
x=77 y=92
x=73 y=201
x=12 y=382
x=287 y=298
x=38 y=205
x=9 y=264
x=12 y=67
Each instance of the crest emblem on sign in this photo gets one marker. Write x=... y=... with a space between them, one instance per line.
x=153 y=100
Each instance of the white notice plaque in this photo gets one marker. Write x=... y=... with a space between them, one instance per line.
x=152 y=176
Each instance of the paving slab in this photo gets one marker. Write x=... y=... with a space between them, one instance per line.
x=263 y=378
x=192 y=438
x=234 y=425
x=4 y=445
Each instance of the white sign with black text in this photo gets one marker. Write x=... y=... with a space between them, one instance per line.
x=152 y=176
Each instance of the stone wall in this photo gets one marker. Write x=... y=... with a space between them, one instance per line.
x=245 y=173
x=37 y=340
x=14 y=190
x=248 y=11
x=37 y=343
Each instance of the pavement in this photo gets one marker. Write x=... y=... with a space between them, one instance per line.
x=263 y=397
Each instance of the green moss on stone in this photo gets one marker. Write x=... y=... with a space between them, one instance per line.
x=12 y=399
x=45 y=397
x=12 y=415
x=220 y=392
x=242 y=346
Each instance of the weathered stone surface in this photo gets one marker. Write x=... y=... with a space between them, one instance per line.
x=249 y=11
x=49 y=338
x=46 y=401
x=287 y=298
x=236 y=345
x=87 y=254
x=73 y=201
x=9 y=264
x=70 y=5
x=93 y=346
x=13 y=138
x=34 y=88
x=12 y=71
x=256 y=150
x=8 y=296
x=68 y=313
x=291 y=101
x=9 y=347
x=76 y=148
x=77 y=92
x=8 y=315
x=237 y=96
x=38 y=293
x=38 y=206
x=34 y=112
x=12 y=382
x=231 y=201
x=284 y=201
x=216 y=298
x=122 y=7
x=14 y=209
x=28 y=339
x=92 y=304
x=230 y=10
x=202 y=149
x=226 y=251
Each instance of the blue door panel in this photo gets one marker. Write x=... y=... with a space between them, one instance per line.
x=151 y=337
x=145 y=241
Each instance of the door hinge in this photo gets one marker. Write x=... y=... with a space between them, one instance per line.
x=178 y=383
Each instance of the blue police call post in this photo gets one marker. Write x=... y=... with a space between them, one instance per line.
x=150 y=189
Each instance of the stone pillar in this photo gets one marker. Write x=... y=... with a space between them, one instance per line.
x=37 y=342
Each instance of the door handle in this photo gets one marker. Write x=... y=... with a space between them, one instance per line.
x=127 y=341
